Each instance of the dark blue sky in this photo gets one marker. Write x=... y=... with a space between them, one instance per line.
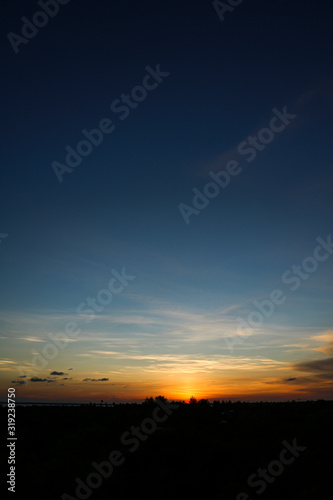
x=120 y=206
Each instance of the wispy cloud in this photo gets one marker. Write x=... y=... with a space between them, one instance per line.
x=190 y=363
x=326 y=338
x=30 y=339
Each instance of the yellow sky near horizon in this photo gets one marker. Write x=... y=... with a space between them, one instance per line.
x=126 y=376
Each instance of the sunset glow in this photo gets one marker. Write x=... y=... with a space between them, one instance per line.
x=167 y=203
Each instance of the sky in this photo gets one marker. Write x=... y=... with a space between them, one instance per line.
x=166 y=200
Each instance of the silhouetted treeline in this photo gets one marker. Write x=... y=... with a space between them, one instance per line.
x=200 y=449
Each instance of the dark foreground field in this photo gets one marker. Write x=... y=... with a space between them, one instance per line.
x=222 y=451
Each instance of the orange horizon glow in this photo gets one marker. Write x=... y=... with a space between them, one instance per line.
x=111 y=377
x=96 y=394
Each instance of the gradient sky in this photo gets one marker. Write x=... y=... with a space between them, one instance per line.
x=165 y=331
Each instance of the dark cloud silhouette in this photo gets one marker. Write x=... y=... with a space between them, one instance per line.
x=300 y=381
x=57 y=373
x=320 y=366
x=23 y=376
x=19 y=382
x=95 y=379
x=36 y=379
x=318 y=370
